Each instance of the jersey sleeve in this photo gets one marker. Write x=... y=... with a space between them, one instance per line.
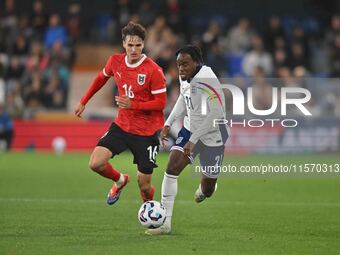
x=158 y=81
x=108 y=70
x=177 y=112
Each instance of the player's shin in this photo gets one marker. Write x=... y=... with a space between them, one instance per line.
x=111 y=173
x=169 y=192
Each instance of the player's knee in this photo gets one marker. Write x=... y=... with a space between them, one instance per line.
x=173 y=168
x=96 y=165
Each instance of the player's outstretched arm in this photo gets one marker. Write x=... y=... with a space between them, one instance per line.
x=96 y=85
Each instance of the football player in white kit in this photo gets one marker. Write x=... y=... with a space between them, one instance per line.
x=201 y=101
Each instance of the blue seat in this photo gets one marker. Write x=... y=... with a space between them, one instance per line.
x=235 y=64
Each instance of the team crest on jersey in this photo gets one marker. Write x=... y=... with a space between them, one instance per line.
x=141 y=79
x=179 y=140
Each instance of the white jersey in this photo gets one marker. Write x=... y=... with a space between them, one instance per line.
x=199 y=103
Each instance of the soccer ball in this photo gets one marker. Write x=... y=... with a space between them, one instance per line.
x=151 y=214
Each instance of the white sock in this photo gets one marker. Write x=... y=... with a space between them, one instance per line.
x=169 y=192
x=120 y=181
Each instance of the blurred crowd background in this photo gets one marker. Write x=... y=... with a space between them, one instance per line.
x=299 y=45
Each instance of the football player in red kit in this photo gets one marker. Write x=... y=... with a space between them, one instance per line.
x=141 y=100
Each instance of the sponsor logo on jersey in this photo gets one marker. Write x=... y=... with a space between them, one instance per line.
x=141 y=79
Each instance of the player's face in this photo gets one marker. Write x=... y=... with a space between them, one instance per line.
x=186 y=66
x=133 y=46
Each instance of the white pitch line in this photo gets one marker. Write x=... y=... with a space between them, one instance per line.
x=189 y=202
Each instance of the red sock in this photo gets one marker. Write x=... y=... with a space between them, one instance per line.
x=110 y=172
x=149 y=196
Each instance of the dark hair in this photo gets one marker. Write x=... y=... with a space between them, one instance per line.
x=193 y=51
x=134 y=29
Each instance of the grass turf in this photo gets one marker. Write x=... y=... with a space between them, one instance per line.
x=54 y=205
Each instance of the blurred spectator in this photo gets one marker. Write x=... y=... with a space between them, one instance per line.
x=258 y=57
x=73 y=21
x=39 y=19
x=210 y=37
x=73 y=28
x=21 y=46
x=168 y=46
x=24 y=27
x=55 y=32
x=280 y=58
x=319 y=60
x=153 y=39
x=217 y=60
x=298 y=56
x=60 y=54
x=285 y=77
x=300 y=76
x=3 y=45
x=274 y=31
x=175 y=13
x=172 y=80
x=34 y=96
x=299 y=37
x=60 y=70
x=2 y=83
x=15 y=70
x=161 y=43
x=6 y=129
x=37 y=60
x=121 y=11
x=9 y=22
x=146 y=13
x=53 y=96
x=10 y=94
x=14 y=102
x=335 y=57
x=336 y=70
x=9 y=15
x=280 y=43
x=333 y=31
x=239 y=37
x=262 y=90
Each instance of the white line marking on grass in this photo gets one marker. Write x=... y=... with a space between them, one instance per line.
x=189 y=202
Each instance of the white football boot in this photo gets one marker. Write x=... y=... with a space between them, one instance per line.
x=199 y=196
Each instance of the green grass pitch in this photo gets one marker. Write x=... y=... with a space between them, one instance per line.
x=53 y=204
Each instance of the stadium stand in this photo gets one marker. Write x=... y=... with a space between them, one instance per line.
x=50 y=54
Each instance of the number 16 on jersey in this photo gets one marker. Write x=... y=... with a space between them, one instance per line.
x=128 y=91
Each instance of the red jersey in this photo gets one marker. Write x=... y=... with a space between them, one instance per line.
x=141 y=82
